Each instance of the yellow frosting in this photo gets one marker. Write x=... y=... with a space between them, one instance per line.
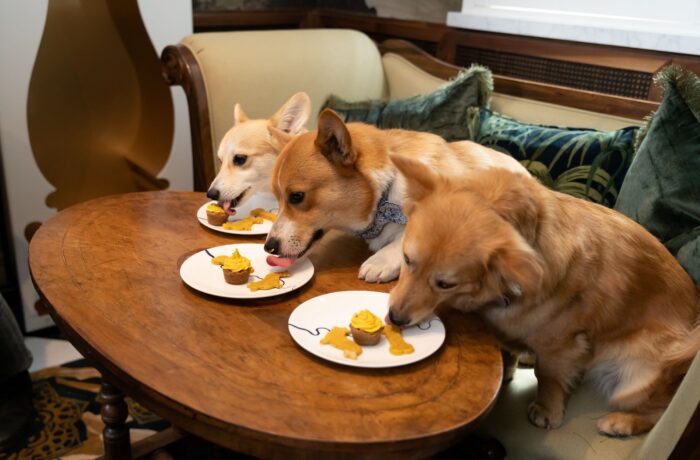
x=366 y=321
x=337 y=337
x=243 y=224
x=235 y=262
x=260 y=212
x=397 y=345
x=271 y=281
x=218 y=260
x=213 y=207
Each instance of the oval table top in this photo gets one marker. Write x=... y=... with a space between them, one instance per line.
x=229 y=370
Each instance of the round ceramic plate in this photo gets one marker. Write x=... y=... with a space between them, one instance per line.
x=266 y=201
x=311 y=320
x=199 y=273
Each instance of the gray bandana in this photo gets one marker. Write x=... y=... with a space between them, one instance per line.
x=386 y=212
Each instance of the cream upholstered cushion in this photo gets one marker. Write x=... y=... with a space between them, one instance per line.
x=578 y=438
x=262 y=69
x=543 y=113
x=406 y=79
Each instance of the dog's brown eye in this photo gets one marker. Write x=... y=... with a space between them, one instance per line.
x=239 y=160
x=406 y=259
x=444 y=284
x=296 y=197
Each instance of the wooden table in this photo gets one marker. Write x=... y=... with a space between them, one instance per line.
x=228 y=371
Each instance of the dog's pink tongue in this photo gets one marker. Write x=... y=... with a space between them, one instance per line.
x=228 y=210
x=280 y=261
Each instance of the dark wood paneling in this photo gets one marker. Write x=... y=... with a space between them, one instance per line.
x=388 y=27
x=559 y=50
x=590 y=77
x=606 y=69
x=209 y=21
x=601 y=68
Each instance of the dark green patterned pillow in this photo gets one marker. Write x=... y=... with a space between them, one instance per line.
x=442 y=112
x=662 y=190
x=585 y=163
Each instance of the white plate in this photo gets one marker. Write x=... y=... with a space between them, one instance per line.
x=199 y=273
x=267 y=201
x=310 y=321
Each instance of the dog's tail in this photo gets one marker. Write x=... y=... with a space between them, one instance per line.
x=691 y=345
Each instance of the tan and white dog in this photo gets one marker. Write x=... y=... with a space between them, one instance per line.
x=584 y=287
x=248 y=151
x=340 y=177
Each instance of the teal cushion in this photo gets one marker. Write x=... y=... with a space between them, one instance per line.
x=662 y=191
x=442 y=112
x=581 y=162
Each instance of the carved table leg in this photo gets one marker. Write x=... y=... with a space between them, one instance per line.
x=114 y=413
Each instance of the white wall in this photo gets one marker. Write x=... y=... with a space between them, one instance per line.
x=21 y=26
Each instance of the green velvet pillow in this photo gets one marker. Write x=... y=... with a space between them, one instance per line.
x=442 y=112
x=585 y=163
x=662 y=190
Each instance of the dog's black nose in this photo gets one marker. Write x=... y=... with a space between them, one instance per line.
x=272 y=246
x=395 y=320
x=213 y=194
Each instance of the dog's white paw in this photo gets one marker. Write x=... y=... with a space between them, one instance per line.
x=380 y=269
x=543 y=417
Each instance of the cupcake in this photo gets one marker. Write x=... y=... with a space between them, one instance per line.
x=216 y=215
x=236 y=269
x=366 y=328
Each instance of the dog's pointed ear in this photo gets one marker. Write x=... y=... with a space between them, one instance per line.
x=420 y=180
x=333 y=139
x=293 y=115
x=279 y=137
x=239 y=115
x=520 y=269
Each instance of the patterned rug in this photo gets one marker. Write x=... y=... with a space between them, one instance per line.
x=67 y=423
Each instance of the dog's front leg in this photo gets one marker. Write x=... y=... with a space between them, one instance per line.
x=384 y=266
x=547 y=410
x=556 y=372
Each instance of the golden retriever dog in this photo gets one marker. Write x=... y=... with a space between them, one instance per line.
x=248 y=151
x=582 y=286
x=340 y=177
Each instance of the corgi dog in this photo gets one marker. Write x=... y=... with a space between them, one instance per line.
x=340 y=177
x=582 y=286
x=247 y=151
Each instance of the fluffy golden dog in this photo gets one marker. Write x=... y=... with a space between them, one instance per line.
x=582 y=286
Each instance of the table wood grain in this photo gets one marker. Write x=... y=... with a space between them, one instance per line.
x=228 y=370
